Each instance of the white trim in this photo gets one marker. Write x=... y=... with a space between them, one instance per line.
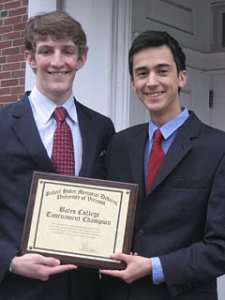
x=35 y=6
x=205 y=61
x=120 y=80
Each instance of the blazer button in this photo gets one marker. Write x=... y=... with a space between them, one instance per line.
x=140 y=232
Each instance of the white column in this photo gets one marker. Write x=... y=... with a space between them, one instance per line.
x=35 y=7
x=120 y=81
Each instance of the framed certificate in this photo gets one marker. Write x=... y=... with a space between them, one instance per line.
x=79 y=220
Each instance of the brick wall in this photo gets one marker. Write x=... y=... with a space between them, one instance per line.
x=13 y=17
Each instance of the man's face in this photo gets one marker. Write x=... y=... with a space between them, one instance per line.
x=155 y=81
x=55 y=63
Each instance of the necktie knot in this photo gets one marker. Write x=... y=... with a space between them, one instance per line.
x=60 y=114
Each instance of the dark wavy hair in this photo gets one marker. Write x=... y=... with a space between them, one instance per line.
x=151 y=38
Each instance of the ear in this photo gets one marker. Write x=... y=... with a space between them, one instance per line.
x=81 y=61
x=30 y=59
x=133 y=84
x=183 y=76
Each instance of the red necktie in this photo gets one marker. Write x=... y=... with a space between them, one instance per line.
x=63 y=152
x=155 y=158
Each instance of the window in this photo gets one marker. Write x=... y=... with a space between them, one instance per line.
x=218 y=27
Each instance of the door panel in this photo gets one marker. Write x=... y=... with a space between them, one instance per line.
x=198 y=87
x=218 y=110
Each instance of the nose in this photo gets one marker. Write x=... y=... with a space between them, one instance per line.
x=152 y=79
x=57 y=59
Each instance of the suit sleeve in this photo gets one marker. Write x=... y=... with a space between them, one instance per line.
x=204 y=259
x=7 y=254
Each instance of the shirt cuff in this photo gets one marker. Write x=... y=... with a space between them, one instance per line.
x=157 y=271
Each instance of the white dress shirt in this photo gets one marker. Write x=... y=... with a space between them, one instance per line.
x=43 y=109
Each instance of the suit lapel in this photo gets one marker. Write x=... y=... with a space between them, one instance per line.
x=136 y=146
x=179 y=148
x=89 y=140
x=26 y=131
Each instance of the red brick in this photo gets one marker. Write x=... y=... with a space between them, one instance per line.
x=9 y=82
x=12 y=35
x=4 y=75
x=18 y=74
x=11 y=51
x=5 y=99
x=12 y=4
x=22 y=80
x=7 y=28
x=2 y=59
x=18 y=11
x=13 y=66
x=5 y=44
x=25 y=18
x=17 y=90
x=5 y=1
x=13 y=20
x=14 y=58
x=23 y=64
x=19 y=27
x=4 y=91
x=18 y=42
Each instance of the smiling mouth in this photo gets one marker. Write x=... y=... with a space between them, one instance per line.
x=155 y=94
x=58 y=74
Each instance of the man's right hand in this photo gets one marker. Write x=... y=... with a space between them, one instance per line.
x=37 y=266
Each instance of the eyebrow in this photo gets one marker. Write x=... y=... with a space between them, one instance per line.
x=138 y=69
x=144 y=68
x=164 y=65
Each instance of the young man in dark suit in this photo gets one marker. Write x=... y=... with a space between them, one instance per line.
x=179 y=237
x=55 y=48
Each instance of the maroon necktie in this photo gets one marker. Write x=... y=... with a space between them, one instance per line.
x=63 y=152
x=155 y=158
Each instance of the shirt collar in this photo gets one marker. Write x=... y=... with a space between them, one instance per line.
x=170 y=127
x=44 y=107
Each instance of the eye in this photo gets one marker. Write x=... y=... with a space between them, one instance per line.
x=44 y=51
x=69 y=51
x=142 y=74
x=163 y=71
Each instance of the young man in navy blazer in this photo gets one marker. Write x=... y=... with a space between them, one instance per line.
x=55 y=48
x=179 y=237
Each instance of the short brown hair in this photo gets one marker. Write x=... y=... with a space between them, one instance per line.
x=57 y=24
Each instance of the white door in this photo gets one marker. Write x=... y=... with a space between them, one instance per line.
x=195 y=94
